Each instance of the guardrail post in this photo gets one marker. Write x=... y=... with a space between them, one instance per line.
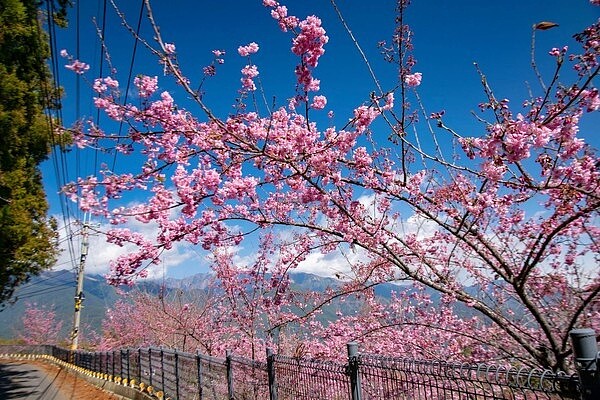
x=585 y=350
x=229 y=375
x=355 y=388
x=271 y=374
x=199 y=369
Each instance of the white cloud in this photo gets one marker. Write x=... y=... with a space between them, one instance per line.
x=101 y=253
x=418 y=225
x=337 y=263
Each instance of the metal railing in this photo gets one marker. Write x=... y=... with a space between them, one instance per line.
x=363 y=377
x=396 y=378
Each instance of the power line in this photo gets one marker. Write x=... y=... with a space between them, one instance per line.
x=58 y=155
x=131 y=63
x=40 y=292
x=40 y=281
x=100 y=73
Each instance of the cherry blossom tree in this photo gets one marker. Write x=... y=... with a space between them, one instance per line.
x=238 y=310
x=502 y=223
x=40 y=325
x=142 y=319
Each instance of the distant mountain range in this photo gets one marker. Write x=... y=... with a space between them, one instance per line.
x=57 y=289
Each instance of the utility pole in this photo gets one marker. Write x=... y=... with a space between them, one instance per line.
x=79 y=297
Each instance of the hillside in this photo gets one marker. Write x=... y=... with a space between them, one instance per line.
x=57 y=289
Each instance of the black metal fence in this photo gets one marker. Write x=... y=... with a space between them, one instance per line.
x=363 y=377
x=394 y=378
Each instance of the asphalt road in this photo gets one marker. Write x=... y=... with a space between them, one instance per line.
x=19 y=380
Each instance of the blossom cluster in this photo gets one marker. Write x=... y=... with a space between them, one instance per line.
x=249 y=72
x=248 y=49
x=79 y=67
x=413 y=80
x=146 y=85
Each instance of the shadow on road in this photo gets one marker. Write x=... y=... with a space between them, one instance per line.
x=19 y=380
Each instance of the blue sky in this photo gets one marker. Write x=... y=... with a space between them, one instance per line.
x=449 y=37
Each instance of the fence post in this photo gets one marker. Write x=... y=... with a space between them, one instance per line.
x=162 y=367
x=176 y=361
x=585 y=350
x=229 y=375
x=199 y=369
x=355 y=389
x=139 y=377
x=128 y=364
x=271 y=374
x=149 y=366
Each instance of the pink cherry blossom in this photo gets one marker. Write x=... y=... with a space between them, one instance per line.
x=78 y=67
x=170 y=48
x=280 y=13
x=389 y=101
x=248 y=49
x=249 y=72
x=146 y=85
x=413 y=80
x=40 y=325
x=319 y=102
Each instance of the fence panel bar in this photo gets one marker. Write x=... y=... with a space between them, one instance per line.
x=251 y=378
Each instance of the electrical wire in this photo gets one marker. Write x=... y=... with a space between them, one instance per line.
x=131 y=64
x=46 y=291
x=53 y=116
x=101 y=71
x=40 y=281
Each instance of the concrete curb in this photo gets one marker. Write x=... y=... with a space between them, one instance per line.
x=113 y=384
